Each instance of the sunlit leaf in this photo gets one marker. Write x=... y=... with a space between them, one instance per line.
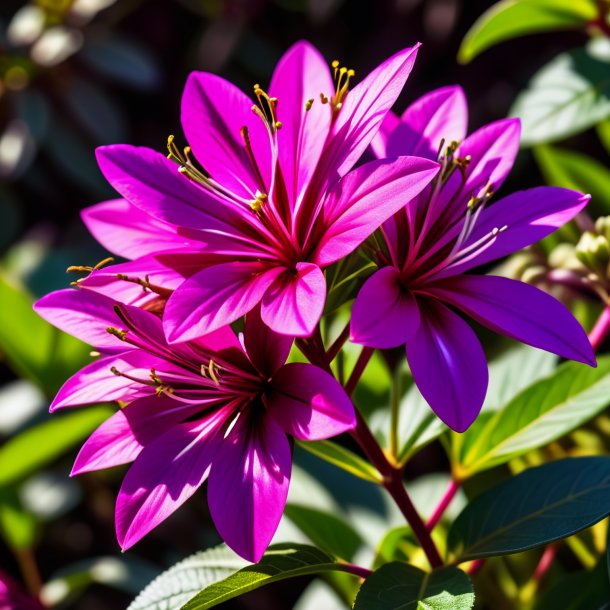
x=534 y=508
x=18 y=527
x=400 y=586
x=513 y=18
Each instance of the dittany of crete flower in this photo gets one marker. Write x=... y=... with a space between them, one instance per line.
x=221 y=408
x=425 y=251
x=269 y=202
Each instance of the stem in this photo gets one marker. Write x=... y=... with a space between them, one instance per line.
x=354 y=378
x=600 y=330
x=545 y=563
x=394 y=485
x=439 y=511
x=475 y=566
x=356 y=570
x=338 y=343
x=395 y=411
x=29 y=569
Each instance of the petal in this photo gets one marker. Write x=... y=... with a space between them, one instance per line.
x=448 y=365
x=121 y=438
x=216 y=297
x=301 y=75
x=294 y=303
x=360 y=202
x=380 y=142
x=214 y=112
x=248 y=485
x=97 y=383
x=528 y=216
x=152 y=183
x=383 y=314
x=308 y=403
x=166 y=474
x=127 y=231
x=82 y=313
x=267 y=349
x=364 y=110
x=519 y=311
x=441 y=115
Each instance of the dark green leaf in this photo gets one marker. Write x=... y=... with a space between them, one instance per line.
x=281 y=561
x=536 y=507
x=37 y=446
x=513 y=18
x=576 y=171
x=326 y=531
x=18 y=527
x=569 y=95
x=543 y=412
x=343 y=458
x=400 y=586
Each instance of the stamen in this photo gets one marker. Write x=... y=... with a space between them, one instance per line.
x=120 y=334
x=212 y=372
x=309 y=104
x=257 y=203
x=186 y=163
x=266 y=109
x=342 y=76
x=146 y=285
x=87 y=269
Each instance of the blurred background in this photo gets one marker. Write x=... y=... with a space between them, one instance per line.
x=75 y=74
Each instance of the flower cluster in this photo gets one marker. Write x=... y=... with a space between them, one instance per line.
x=244 y=222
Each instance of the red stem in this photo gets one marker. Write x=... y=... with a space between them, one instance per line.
x=356 y=570
x=339 y=342
x=439 y=511
x=546 y=561
x=354 y=378
x=600 y=330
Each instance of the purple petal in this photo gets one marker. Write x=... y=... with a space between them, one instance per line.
x=308 y=403
x=121 y=438
x=97 y=383
x=126 y=231
x=359 y=203
x=294 y=303
x=519 y=311
x=267 y=349
x=380 y=141
x=166 y=474
x=214 y=112
x=434 y=117
x=448 y=365
x=248 y=485
x=384 y=313
x=528 y=216
x=301 y=75
x=216 y=297
x=82 y=313
x=364 y=110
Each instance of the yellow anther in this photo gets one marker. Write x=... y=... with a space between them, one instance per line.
x=257 y=203
x=308 y=105
x=266 y=109
x=88 y=268
x=342 y=76
x=120 y=334
x=323 y=98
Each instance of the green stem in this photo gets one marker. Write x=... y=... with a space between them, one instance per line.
x=395 y=411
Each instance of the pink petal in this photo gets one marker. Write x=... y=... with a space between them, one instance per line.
x=121 y=438
x=294 y=303
x=380 y=141
x=519 y=311
x=448 y=365
x=301 y=75
x=384 y=313
x=360 y=202
x=166 y=474
x=248 y=485
x=308 y=403
x=267 y=349
x=82 y=313
x=216 y=297
x=364 y=110
x=129 y=232
x=213 y=114
x=441 y=115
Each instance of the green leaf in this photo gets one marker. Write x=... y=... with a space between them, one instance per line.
x=513 y=18
x=18 y=527
x=326 y=531
x=400 y=586
x=174 y=587
x=41 y=444
x=281 y=561
x=603 y=132
x=343 y=458
x=576 y=171
x=545 y=411
x=536 y=507
x=33 y=348
x=567 y=96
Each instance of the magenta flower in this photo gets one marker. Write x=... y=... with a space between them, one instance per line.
x=274 y=203
x=446 y=231
x=215 y=408
x=12 y=597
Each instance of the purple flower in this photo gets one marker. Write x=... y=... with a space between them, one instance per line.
x=272 y=204
x=216 y=408
x=446 y=231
